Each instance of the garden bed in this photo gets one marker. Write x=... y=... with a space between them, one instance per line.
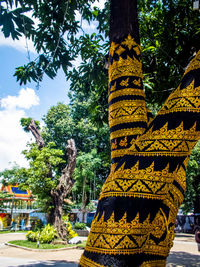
x=33 y=245
x=28 y=245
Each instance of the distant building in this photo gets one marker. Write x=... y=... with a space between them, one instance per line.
x=20 y=211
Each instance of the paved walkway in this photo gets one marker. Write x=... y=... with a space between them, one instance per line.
x=183 y=254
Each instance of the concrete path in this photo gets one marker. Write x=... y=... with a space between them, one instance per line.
x=12 y=262
x=183 y=254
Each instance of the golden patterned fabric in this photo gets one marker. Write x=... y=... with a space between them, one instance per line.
x=127 y=108
x=138 y=204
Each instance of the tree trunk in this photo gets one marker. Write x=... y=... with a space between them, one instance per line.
x=123 y=20
x=63 y=189
x=84 y=200
x=58 y=213
x=136 y=214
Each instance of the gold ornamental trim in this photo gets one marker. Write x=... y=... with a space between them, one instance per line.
x=154 y=263
x=120 y=153
x=194 y=64
x=153 y=250
x=125 y=118
x=130 y=105
x=126 y=132
x=85 y=262
x=125 y=67
x=130 y=194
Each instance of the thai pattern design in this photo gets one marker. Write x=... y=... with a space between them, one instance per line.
x=127 y=108
x=138 y=204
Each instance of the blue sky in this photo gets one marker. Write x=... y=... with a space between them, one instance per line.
x=22 y=101
x=50 y=91
x=25 y=101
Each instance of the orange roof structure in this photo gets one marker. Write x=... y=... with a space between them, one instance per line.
x=16 y=192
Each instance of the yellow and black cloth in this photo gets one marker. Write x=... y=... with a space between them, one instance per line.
x=138 y=204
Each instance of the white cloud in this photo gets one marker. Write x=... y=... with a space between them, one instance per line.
x=25 y=99
x=13 y=139
x=17 y=44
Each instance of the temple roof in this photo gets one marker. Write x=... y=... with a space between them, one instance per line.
x=16 y=192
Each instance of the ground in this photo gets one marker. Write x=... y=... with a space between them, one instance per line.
x=184 y=253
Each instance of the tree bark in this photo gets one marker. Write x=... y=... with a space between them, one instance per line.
x=123 y=20
x=35 y=132
x=63 y=189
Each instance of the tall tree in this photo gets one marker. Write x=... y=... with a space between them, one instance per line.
x=138 y=204
x=63 y=122
x=87 y=182
x=44 y=161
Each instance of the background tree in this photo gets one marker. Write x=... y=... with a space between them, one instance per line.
x=4 y=199
x=63 y=122
x=43 y=177
x=192 y=197
x=87 y=185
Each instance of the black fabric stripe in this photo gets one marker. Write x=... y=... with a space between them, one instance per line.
x=128 y=125
x=129 y=138
x=121 y=260
x=175 y=183
x=189 y=77
x=126 y=97
x=174 y=119
x=131 y=206
x=160 y=162
x=131 y=53
x=131 y=84
x=116 y=159
x=149 y=114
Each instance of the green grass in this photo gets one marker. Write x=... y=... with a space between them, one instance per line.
x=82 y=245
x=29 y=244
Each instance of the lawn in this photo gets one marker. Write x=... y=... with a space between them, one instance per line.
x=82 y=245
x=29 y=244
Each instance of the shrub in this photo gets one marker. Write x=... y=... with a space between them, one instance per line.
x=32 y=236
x=70 y=232
x=46 y=235
x=38 y=225
x=80 y=226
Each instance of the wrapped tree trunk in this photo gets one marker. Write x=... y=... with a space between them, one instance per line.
x=138 y=204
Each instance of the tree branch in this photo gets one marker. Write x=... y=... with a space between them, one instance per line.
x=39 y=140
